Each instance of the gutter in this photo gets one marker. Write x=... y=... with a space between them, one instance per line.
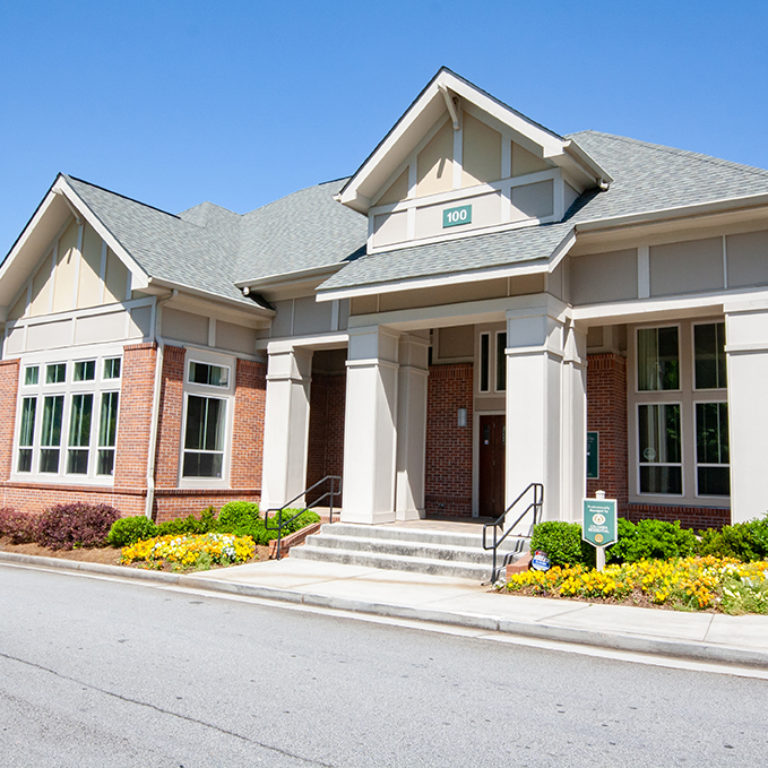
x=155 y=417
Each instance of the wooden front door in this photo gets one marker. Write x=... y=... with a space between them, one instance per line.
x=491 y=465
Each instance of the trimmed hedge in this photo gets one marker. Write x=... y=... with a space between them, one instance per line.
x=129 y=530
x=651 y=540
x=562 y=543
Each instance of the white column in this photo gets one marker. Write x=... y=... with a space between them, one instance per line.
x=370 y=434
x=573 y=426
x=746 y=335
x=286 y=424
x=535 y=351
x=411 y=425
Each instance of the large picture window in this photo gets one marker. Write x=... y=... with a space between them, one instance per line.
x=679 y=413
x=67 y=423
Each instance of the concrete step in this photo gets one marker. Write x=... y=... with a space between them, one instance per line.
x=457 y=570
x=424 y=550
x=407 y=533
x=396 y=547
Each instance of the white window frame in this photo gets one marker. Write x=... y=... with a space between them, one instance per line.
x=687 y=396
x=66 y=389
x=639 y=463
x=227 y=394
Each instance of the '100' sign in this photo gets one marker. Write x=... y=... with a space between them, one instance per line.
x=454 y=217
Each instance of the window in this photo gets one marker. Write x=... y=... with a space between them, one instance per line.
x=493 y=362
x=501 y=361
x=679 y=412
x=67 y=429
x=485 y=362
x=207 y=409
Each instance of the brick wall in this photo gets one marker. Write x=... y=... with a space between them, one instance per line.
x=448 y=472
x=248 y=434
x=327 y=402
x=169 y=421
x=35 y=497
x=689 y=517
x=9 y=385
x=607 y=414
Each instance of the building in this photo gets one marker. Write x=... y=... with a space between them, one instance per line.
x=451 y=323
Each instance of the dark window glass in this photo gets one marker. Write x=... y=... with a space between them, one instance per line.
x=501 y=362
x=485 y=362
x=85 y=370
x=212 y=375
x=56 y=373
x=709 y=355
x=658 y=359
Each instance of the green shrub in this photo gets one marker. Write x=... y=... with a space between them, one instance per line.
x=237 y=513
x=746 y=541
x=562 y=543
x=242 y=518
x=129 y=530
x=651 y=539
x=190 y=524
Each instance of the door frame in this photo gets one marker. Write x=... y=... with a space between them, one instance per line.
x=476 y=456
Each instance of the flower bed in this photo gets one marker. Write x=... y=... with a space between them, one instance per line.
x=691 y=583
x=190 y=550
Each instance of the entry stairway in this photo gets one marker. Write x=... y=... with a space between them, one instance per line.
x=429 y=550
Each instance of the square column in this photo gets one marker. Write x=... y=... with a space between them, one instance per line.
x=546 y=406
x=746 y=335
x=411 y=425
x=286 y=424
x=370 y=426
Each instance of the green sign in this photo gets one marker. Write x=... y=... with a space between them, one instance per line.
x=599 y=522
x=593 y=455
x=455 y=217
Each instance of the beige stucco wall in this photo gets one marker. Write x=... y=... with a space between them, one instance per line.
x=604 y=277
x=481 y=152
x=525 y=162
x=397 y=191
x=687 y=267
x=434 y=164
x=747 y=259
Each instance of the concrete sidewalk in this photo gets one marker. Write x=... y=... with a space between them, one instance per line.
x=703 y=636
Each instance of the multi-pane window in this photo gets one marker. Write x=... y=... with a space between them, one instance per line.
x=207 y=405
x=680 y=411
x=493 y=362
x=67 y=423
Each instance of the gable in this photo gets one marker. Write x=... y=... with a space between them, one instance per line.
x=76 y=270
x=460 y=163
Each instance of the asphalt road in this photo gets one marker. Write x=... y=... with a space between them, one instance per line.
x=103 y=673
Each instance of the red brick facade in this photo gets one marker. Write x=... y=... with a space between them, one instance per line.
x=9 y=386
x=327 y=404
x=133 y=438
x=448 y=473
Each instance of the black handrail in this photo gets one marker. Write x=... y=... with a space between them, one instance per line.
x=535 y=505
x=335 y=490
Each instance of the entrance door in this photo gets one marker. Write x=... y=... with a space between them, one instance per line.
x=491 y=465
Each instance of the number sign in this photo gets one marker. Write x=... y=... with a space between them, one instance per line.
x=455 y=217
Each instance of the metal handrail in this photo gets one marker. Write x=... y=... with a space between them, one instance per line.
x=535 y=505
x=281 y=523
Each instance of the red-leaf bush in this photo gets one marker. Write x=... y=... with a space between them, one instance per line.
x=20 y=527
x=66 y=526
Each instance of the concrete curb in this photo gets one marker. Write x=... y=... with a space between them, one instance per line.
x=690 y=649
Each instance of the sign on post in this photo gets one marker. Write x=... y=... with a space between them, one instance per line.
x=599 y=525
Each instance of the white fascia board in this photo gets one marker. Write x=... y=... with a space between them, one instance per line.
x=533 y=267
x=243 y=306
x=448 y=278
x=139 y=278
x=573 y=149
x=681 y=211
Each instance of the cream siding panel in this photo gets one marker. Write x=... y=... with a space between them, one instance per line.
x=17 y=310
x=747 y=259
x=116 y=279
x=397 y=191
x=97 y=329
x=533 y=201
x=89 y=281
x=49 y=335
x=363 y=305
x=14 y=342
x=485 y=213
x=66 y=268
x=434 y=165
x=571 y=195
x=343 y=314
x=390 y=228
x=524 y=161
x=282 y=322
x=237 y=338
x=457 y=342
x=41 y=289
x=310 y=316
x=481 y=152
x=184 y=326
x=444 y=294
x=687 y=267
x=604 y=277
x=141 y=321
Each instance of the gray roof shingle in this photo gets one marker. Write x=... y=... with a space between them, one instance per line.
x=211 y=249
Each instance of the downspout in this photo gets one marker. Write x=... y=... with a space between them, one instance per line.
x=155 y=417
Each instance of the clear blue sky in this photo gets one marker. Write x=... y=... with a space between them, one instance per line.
x=239 y=103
